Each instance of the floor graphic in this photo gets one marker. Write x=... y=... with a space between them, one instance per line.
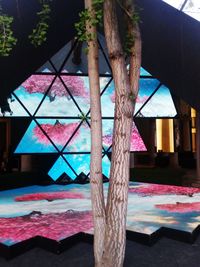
x=58 y=212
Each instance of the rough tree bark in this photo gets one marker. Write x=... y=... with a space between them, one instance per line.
x=110 y=221
x=126 y=89
x=96 y=181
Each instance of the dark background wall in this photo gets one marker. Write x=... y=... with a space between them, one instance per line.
x=171 y=42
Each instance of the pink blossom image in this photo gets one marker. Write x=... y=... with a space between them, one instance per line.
x=59 y=133
x=40 y=84
x=56 y=226
x=107 y=140
x=180 y=207
x=156 y=189
x=49 y=196
x=76 y=85
x=137 y=143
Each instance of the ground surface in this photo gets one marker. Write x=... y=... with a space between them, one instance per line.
x=165 y=253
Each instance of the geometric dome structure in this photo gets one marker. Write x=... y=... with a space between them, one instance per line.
x=56 y=98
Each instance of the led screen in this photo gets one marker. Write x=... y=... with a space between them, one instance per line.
x=137 y=143
x=146 y=87
x=68 y=96
x=37 y=137
x=32 y=91
x=81 y=62
x=143 y=72
x=60 y=107
x=160 y=105
x=79 y=163
x=60 y=167
x=13 y=109
x=81 y=141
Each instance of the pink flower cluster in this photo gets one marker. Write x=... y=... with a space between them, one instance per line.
x=137 y=143
x=55 y=226
x=59 y=133
x=76 y=85
x=107 y=139
x=40 y=84
x=50 y=196
x=179 y=207
x=156 y=189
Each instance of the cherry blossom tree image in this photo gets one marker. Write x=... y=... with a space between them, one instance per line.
x=59 y=133
x=107 y=140
x=41 y=83
x=56 y=226
x=49 y=196
x=180 y=207
x=76 y=85
x=156 y=190
x=137 y=143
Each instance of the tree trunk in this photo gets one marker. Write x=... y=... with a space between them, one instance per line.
x=125 y=96
x=96 y=181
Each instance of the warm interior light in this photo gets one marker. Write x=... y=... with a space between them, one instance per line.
x=165 y=135
x=193 y=113
x=159 y=134
x=193 y=128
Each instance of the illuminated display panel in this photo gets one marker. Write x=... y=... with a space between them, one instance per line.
x=57 y=98
x=81 y=140
x=32 y=91
x=137 y=143
x=14 y=108
x=37 y=137
x=79 y=163
x=59 y=168
x=67 y=97
x=35 y=141
x=146 y=87
x=160 y=105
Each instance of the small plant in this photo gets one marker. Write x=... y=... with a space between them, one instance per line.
x=39 y=33
x=86 y=17
x=7 y=39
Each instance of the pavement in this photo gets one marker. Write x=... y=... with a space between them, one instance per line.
x=165 y=253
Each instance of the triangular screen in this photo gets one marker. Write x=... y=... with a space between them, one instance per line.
x=58 y=102
x=59 y=131
x=79 y=162
x=160 y=105
x=32 y=91
x=146 y=87
x=144 y=72
x=60 y=167
x=46 y=68
x=35 y=141
x=14 y=108
x=77 y=60
x=137 y=143
x=80 y=142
